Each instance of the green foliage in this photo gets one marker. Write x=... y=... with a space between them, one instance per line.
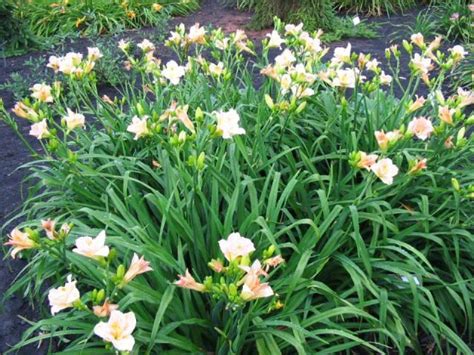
x=454 y=20
x=370 y=267
x=375 y=7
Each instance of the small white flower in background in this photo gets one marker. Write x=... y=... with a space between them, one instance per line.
x=275 y=40
x=228 y=124
x=63 y=297
x=74 y=120
x=356 y=20
x=146 y=46
x=173 y=72
x=196 y=34
x=418 y=39
x=458 y=52
x=42 y=92
x=118 y=330
x=236 y=246
x=421 y=127
x=415 y=279
x=139 y=127
x=92 y=247
x=342 y=55
x=285 y=59
x=19 y=241
x=93 y=53
x=385 y=79
x=293 y=30
x=40 y=130
x=385 y=170
x=138 y=266
x=216 y=69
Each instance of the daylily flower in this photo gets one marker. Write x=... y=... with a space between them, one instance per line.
x=345 y=78
x=23 y=111
x=373 y=64
x=236 y=246
x=273 y=262
x=173 y=72
x=421 y=64
x=49 y=227
x=466 y=97
x=216 y=265
x=139 y=127
x=74 y=120
x=196 y=34
x=94 y=54
x=385 y=79
x=293 y=30
x=187 y=281
x=40 y=129
x=228 y=124
x=118 y=330
x=253 y=270
x=312 y=45
x=385 y=170
x=417 y=104
x=458 y=53
x=216 y=69
x=253 y=288
x=285 y=59
x=421 y=128
x=92 y=247
x=54 y=63
x=418 y=39
x=156 y=7
x=367 y=160
x=42 y=92
x=275 y=41
x=105 y=309
x=419 y=165
x=19 y=241
x=124 y=45
x=63 y=297
x=180 y=113
x=146 y=46
x=446 y=114
x=342 y=55
x=384 y=139
x=138 y=266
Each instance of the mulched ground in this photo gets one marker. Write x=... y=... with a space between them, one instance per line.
x=13 y=154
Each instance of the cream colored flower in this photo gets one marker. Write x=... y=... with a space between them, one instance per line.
x=458 y=53
x=173 y=72
x=188 y=281
x=63 y=297
x=385 y=79
x=384 y=139
x=74 y=120
x=48 y=226
x=285 y=59
x=54 y=63
x=94 y=54
x=418 y=39
x=124 y=45
x=373 y=64
x=118 y=330
x=146 y=46
x=105 y=309
x=356 y=20
x=420 y=127
x=138 y=266
x=236 y=246
x=228 y=124
x=40 y=130
x=293 y=30
x=421 y=64
x=446 y=115
x=312 y=45
x=19 y=241
x=23 y=111
x=216 y=69
x=419 y=102
x=139 y=127
x=342 y=55
x=367 y=160
x=385 y=170
x=465 y=97
x=196 y=34
x=92 y=247
x=275 y=40
x=42 y=92
x=345 y=78
x=273 y=262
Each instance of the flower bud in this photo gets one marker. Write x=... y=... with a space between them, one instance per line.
x=455 y=184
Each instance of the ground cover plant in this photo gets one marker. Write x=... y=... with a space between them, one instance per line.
x=201 y=210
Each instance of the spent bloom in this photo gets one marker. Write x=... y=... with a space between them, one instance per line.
x=421 y=127
x=229 y=124
x=385 y=170
x=48 y=226
x=23 y=111
x=173 y=72
x=139 y=127
x=367 y=160
x=92 y=247
x=19 y=241
x=138 y=266
x=63 y=297
x=236 y=246
x=118 y=330
x=40 y=129
x=188 y=281
x=42 y=92
x=74 y=120
x=105 y=309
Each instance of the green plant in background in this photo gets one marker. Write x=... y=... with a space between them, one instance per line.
x=455 y=19
x=366 y=197
x=375 y=7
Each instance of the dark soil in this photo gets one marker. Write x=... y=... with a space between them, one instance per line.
x=13 y=154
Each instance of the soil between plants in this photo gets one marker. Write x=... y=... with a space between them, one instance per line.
x=13 y=154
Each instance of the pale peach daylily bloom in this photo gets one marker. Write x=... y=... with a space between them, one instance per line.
x=216 y=69
x=229 y=124
x=74 y=120
x=138 y=266
x=139 y=127
x=118 y=330
x=216 y=265
x=42 y=92
x=40 y=129
x=19 y=241
x=446 y=114
x=273 y=262
x=418 y=39
x=421 y=127
x=23 y=111
x=49 y=227
x=422 y=64
x=417 y=104
x=188 y=281
x=367 y=160
x=236 y=246
x=63 y=297
x=92 y=247
x=385 y=170
x=420 y=165
x=253 y=288
x=105 y=309
x=384 y=139
x=385 y=79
